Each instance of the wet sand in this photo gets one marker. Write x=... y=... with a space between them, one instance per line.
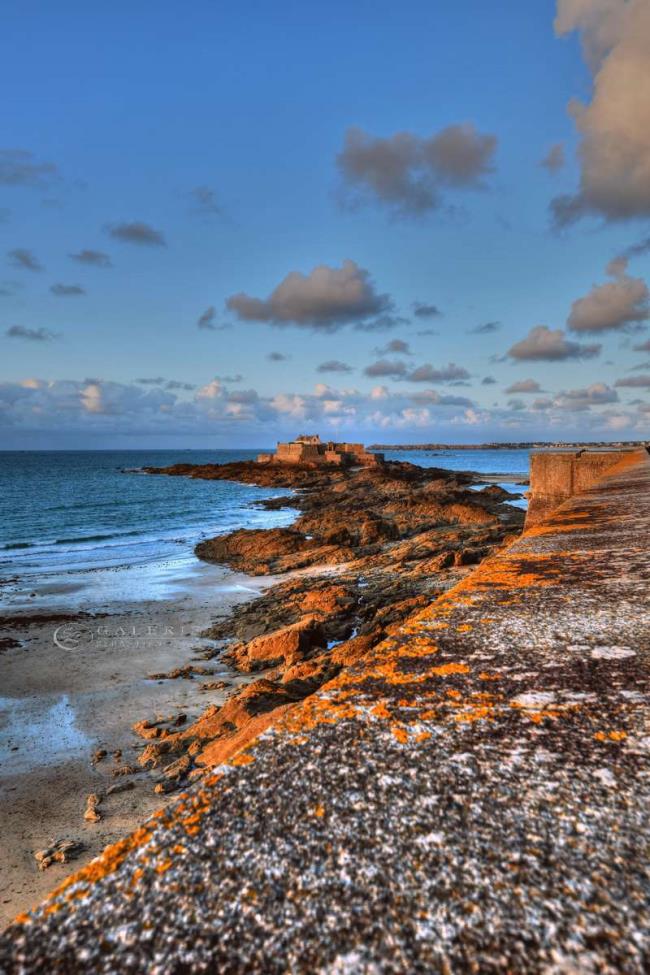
x=60 y=703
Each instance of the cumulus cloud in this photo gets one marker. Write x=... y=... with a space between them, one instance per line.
x=22 y=258
x=107 y=399
x=99 y=407
x=334 y=365
x=431 y=397
x=18 y=167
x=488 y=328
x=408 y=173
x=614 y=127
x=525 y=386
x=278 y=357
x=428 y=374
x=634 y=382
x=92 y=258
x=611 y=306
x=554 y=158
x=395 y=347
x=543 y=344
x=65 y=290
x=205 y=201
x=386 y=367
x=542 y=404
x=136 y=232
x=643 y=347
x=424 y=310
x=325 y=299
x=488 y=381
x=582 y=399
x=31 y=334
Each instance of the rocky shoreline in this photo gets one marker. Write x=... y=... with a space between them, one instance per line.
x=370 y=547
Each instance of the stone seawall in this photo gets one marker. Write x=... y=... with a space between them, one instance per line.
x=557 y=475
x=472 y=796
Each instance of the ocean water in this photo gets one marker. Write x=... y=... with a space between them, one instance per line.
x=490 y=461
x=494 y=461
x=85 y=528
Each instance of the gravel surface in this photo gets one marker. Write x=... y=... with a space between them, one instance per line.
x=474 y=798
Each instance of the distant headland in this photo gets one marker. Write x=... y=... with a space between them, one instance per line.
x=524 y=445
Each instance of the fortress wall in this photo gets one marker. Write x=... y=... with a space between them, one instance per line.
x=290 y=453
x=556 y=476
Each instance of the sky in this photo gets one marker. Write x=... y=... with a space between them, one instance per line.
x=225 y=224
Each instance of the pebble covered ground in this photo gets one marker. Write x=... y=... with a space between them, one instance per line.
x=473 y=797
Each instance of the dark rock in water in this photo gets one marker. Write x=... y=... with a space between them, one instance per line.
x=498 y=493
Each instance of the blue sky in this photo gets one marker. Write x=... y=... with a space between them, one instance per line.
x=206 y=153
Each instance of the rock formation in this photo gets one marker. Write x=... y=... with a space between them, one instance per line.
x=371 y=547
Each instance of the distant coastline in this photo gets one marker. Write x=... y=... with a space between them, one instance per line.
x=524 y=445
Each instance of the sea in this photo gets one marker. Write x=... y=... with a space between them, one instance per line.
x=87 y=528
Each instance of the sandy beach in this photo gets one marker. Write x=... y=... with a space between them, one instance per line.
x=61 y=703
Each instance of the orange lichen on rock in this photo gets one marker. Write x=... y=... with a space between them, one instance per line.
x=381 y=711
x=610 y=735
x=244 y=758
x=445 y=670
x=418 y=647
x=475 y=714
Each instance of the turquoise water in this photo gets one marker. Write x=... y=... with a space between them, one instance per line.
x=87 y=521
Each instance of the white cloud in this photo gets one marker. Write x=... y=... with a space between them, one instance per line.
x=543 y=344
x=325 y=299
x=408 y=173
x=614 y=127
x=611 y=306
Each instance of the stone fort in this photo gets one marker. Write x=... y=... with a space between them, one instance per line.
x=310 y=449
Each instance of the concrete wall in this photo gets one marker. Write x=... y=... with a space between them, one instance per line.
x=556 y=476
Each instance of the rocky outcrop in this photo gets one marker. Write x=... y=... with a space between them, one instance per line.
x=287 y=646
x=386 y=542
x=275 y=550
